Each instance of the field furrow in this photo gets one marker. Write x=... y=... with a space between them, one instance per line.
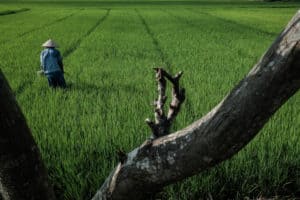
x=45 y=25
x=163 y=57
x=166 y=61
x=215 y=55
x=25 y=65
x=245 y=27
x=269 y=20
x=71 y=49
x=12 y=12
x=107 y=74
x=16 y=18
x=11 y=34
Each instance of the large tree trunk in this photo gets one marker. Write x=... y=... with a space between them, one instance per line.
x=22 y=173
x=218 y=135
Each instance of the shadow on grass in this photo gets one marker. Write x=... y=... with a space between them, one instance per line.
x=11 y=12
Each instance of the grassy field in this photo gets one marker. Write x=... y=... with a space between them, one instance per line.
x=109 y=50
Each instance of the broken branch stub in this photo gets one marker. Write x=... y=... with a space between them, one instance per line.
x=162 y=123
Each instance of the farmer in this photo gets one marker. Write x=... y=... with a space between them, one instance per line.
x=52 y=65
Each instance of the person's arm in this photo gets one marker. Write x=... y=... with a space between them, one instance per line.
x=42 y=60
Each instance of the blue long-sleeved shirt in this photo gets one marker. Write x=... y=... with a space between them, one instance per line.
x=50 y=60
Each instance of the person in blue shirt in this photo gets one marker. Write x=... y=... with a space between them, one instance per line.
x=52 y=65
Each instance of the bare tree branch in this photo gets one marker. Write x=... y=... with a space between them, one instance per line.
x=178 y=97
x=160 y=102
x=217 y=136
x=162 y=123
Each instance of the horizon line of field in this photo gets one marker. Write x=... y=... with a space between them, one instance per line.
x=93 y=3
x=67 y=53
x=151 y=34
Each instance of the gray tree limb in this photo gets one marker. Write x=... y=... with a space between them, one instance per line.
x=163 y=122
x=22 y=172
x=218 y=135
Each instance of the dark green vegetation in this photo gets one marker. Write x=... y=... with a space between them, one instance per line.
x=109 y=50
x=9 y=12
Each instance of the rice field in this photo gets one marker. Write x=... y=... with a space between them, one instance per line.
x=109 y=50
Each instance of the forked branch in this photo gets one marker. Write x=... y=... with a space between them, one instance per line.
x=162 y=123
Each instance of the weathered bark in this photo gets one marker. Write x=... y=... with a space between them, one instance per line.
x=22 y=173
x=218 y=135
x=163 y=122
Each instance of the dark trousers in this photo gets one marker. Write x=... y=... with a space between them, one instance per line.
x=56 y=79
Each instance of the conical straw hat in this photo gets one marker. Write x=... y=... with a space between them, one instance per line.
x=50 y=43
